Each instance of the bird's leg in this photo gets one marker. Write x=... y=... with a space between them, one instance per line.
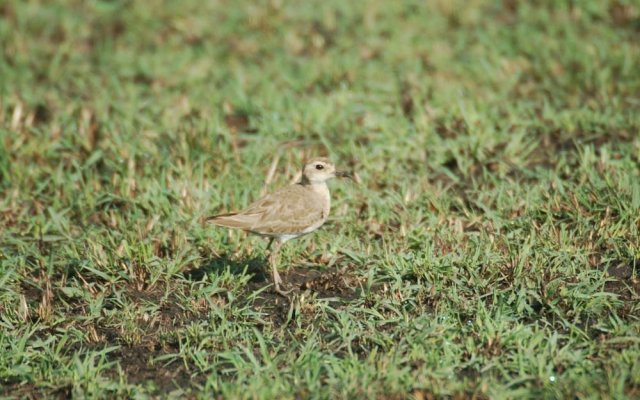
x=277 y=281
x=271 y=239
x=270 y=243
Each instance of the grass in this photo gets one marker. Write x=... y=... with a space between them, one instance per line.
x=490 y=252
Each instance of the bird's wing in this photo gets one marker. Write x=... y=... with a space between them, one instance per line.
x=288 y=210
x=233 y=220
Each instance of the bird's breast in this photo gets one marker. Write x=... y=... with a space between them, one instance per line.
x=323 y=198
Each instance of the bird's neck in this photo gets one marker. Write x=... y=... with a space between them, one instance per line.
x=319 y=187
x=304 y=181
x=322 y=190
x=315 y=185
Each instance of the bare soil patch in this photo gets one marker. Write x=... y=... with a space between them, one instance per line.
x=625 y=279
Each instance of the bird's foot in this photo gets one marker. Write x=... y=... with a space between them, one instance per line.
x=282 y=292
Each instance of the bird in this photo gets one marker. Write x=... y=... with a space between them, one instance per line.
x=288 y=213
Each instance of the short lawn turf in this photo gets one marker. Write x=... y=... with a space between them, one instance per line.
x=491 y=251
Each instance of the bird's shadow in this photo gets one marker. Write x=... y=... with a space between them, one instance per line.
x=327 y=284
x=254 y=266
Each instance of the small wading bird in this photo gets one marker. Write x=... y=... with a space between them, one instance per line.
x=289 y=212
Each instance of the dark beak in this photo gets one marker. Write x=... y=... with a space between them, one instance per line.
x=344 y=174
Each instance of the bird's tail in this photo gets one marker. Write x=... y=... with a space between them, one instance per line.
x=232 y=220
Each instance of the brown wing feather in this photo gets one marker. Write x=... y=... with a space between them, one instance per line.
x=232 y=220
x=288 y=210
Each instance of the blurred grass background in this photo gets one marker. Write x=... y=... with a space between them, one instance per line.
x=491 y=251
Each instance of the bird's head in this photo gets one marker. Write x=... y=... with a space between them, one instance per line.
x=320 y=170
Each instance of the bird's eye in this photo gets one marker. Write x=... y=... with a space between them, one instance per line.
x=319 y=166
